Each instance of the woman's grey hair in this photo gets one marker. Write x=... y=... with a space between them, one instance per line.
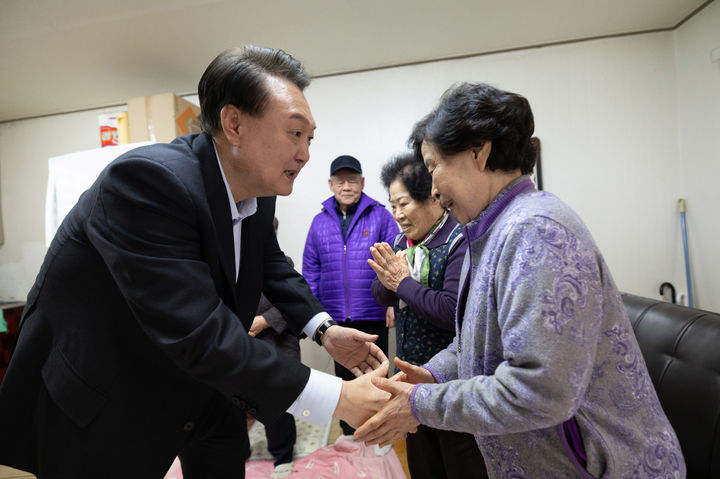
x=411 y=172
x=469 y=114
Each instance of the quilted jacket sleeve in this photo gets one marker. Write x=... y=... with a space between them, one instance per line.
x=311 y=261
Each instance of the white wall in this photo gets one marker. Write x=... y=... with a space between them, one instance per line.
x=612 y=115
x=606 y=113
x=698 y=80
x=25 y=147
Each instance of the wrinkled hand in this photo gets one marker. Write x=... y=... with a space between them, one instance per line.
x=353 y=349
x=390 y=267
x=411 y=374
x=258 y=325
x=394 y=421
x=390 y=317
x=359 y=399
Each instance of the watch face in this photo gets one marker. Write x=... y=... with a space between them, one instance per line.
x=321 y=330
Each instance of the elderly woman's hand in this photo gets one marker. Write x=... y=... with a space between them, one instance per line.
x=411 y=374
x=391 y=268
x=394 y=421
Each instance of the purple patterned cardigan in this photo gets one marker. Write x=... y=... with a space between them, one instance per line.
x=542 y=336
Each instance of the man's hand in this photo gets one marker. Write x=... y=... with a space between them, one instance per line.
x=390 y=267
x=258 y=325
x=359 y=399
x=353 y=349
x=394 y=421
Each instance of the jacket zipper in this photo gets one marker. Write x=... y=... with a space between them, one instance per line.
x=345 y=280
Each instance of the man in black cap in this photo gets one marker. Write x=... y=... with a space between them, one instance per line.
x=336 y=253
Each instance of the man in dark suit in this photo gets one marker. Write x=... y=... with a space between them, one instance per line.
x=133 y=347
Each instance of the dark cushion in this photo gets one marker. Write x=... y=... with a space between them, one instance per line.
x=681 y=347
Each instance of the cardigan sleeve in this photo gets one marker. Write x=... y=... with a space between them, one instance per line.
x=548 y=289
x=444 y=366
x=382 y=295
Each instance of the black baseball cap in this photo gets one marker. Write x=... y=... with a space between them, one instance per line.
x=345 y=161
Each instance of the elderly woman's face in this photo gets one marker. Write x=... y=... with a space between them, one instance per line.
x=414 y=217
x=459 y=182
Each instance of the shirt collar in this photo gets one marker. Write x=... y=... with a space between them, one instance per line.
x=351 y=209
x=242 y=209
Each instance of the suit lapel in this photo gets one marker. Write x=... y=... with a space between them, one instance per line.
x=219 y=207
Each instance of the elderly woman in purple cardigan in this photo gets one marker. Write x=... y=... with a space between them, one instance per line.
x=419 y=278
x=544 y=368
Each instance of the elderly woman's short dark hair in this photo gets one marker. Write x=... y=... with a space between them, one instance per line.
x=238 y=77
x=411 y=172
x=470 y=114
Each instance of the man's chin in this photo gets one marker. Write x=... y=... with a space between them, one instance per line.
x=285 y=190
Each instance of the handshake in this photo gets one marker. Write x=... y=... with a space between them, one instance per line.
x=379 y=407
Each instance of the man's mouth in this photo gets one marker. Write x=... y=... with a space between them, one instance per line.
x=291 y=174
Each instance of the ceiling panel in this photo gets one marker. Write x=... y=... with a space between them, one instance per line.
x=66 y=56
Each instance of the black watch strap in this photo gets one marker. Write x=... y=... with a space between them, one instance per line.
x=321 y=330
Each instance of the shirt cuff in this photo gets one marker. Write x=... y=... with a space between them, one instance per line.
x=314 y=323
x=317 y=402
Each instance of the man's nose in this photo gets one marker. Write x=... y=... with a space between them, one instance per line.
x=303 y=155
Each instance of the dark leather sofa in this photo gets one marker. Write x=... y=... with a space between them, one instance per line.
x=681 y=347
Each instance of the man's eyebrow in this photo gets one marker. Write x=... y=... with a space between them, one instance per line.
x=302 y=118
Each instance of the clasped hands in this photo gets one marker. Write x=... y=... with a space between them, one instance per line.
x=383 y=404
x=391 y=267
x=379 y=405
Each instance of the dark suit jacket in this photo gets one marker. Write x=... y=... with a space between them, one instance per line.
x=278 y=334
x=135 y=328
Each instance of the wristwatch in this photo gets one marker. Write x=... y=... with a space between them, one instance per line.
x=321 y=330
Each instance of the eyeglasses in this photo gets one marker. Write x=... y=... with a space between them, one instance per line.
x=352 y=182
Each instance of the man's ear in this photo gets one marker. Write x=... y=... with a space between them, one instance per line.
x=231 y=123
x=330 y=185
x=362 y=184
x=481 y=154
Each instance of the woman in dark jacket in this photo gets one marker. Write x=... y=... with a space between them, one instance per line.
x=422 y=286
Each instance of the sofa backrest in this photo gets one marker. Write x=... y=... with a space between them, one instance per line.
x=681 y=347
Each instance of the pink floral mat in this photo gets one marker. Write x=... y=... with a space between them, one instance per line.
x=345 y=459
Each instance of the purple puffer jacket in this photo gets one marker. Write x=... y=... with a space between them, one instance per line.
x=336 y=270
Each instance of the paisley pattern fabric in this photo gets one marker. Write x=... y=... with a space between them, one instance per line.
x=542 y=336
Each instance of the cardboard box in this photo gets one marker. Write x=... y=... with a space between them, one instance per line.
x=161 y=118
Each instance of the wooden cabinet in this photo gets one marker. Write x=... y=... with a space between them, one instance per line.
x=11 y=313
